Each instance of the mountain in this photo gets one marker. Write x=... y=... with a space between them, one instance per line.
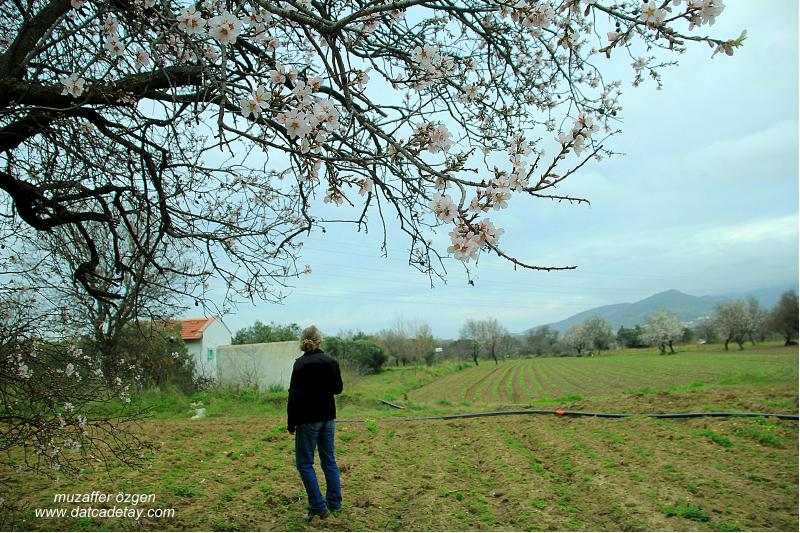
x=688 y=308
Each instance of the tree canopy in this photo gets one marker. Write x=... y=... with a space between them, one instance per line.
x=207 y=130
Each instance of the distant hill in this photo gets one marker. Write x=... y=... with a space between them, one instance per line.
x=687 y=307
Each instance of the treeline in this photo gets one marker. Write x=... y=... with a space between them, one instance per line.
x=738 y=322
x=412 y=343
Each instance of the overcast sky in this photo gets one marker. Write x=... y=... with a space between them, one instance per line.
x=704 y=201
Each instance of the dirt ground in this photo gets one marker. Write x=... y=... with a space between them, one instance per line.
x=503 y=473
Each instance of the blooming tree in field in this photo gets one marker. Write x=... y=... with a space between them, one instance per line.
x=218 y=123
x=662 y=329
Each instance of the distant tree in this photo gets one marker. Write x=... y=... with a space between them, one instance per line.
x=509 y=345
x=272 y=332
x=756 y=321
x=424 y=343
x=493 y=334
x=541 y=340
x=631 y=337
x=471 y=333
x=361 y=352
x=143 y=295
x=486 y=335
x=688 y=335
x=706 y=329
x=407 y=342
x=576 y=338
x=456 y=349
x=733 y=322
x=783 y=318
x=662 y=329
x=598 y=332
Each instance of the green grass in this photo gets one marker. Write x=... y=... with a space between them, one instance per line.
x=688 y=511
x=722 y=440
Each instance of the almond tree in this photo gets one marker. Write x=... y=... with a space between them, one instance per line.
x=220 y=122
x=662 y=329
x=576 y=338
x=733 y=322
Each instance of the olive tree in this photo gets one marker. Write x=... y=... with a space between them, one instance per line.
x=598 y=333
x=783 y=318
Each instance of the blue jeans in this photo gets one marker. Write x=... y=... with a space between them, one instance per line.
x=307 y=437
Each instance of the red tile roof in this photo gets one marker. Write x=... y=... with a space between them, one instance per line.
x=192 y=328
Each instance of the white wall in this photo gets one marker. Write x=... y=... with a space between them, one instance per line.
x=257 y=365
x=195 y=349
x=214 y=336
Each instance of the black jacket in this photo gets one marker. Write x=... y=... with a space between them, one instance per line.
x=315 y=379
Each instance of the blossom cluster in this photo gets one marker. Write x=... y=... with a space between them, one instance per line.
x=434 y=137
x=72 y=84
x=224 y=28
x=468 y=239
x=582 y=129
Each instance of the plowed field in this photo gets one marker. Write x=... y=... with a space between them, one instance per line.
x=521 y=381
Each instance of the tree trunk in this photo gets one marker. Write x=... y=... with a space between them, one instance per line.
x=671 y=349
x=727 y=340
x=475 y=358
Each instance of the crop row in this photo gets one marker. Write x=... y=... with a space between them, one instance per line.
x=522 y=380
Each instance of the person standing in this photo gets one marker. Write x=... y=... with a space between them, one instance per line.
x=311 y=411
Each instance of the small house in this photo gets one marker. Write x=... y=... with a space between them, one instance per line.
x=203 y=337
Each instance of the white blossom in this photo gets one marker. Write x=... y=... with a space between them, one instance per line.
x=249 y=106
x=114 y=45
x=73 y=84
x=365 y=186
x=225 y=28
x=296 y=123
x=426 y=56
x=142 y=58
x=444 y=208
x=652 y=13
x=191 y=21
x=334 y=196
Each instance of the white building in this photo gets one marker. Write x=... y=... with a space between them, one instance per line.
x=203 y=336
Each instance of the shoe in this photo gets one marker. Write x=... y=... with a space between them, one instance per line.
x=322 y=514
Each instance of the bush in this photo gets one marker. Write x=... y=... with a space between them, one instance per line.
x=362 y=352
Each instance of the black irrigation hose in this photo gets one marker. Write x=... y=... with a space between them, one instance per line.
x=560 y=412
